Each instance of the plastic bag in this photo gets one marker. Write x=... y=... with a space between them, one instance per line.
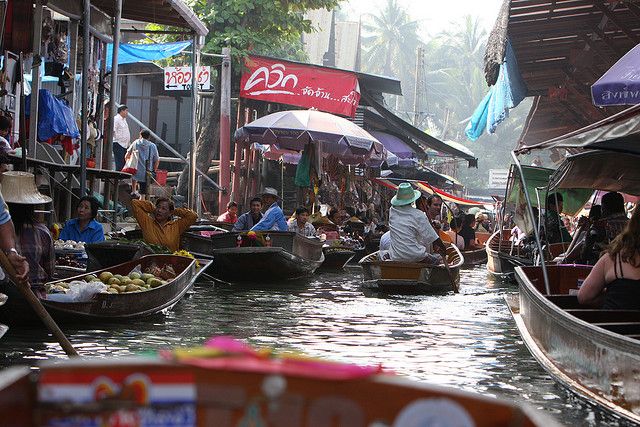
x=131 y=165
x=79 y=291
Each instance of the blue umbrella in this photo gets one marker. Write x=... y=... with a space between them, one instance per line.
x=620 y=85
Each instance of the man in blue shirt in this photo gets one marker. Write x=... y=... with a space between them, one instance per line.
x=273 y=218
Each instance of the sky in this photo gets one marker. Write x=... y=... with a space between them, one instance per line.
x=434 y=15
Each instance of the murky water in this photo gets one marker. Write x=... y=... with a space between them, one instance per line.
x=468 y=340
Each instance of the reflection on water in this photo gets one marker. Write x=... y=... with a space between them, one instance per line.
x=468 y=340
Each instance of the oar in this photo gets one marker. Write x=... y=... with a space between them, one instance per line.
x=446 y=265
x=27 y=293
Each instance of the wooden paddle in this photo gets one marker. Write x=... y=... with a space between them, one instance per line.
x=446 y=265
x=27 y=293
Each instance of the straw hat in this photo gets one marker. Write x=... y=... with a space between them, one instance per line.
x=405 y=195
x=20 y=187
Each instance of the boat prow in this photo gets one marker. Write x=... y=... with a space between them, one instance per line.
x=396 y=277
x=594 y=353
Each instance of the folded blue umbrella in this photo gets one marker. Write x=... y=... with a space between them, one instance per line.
x=620 y=85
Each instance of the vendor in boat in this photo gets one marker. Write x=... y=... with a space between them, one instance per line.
x=273 y=218
x=251 y=218
x=84 y=227
x=555 y=231
x=231 y=215
x=603 y=231
x=158 y=227
x=33 y=239
x=468 y=233
x=615 y=279
x=413 y=239
x=8 y=244
x=300 y=224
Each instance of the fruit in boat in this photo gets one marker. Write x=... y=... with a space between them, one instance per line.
x=105 y=276
x=122 y=288
x=131 y=287
x=112 y=290
x=113 y=281
x=138 y=282
x=147 y=276
x=135 y=275
x=154 y=283
x=119 y=277
x=89 y=278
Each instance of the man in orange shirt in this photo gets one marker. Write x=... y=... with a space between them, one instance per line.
x=158 y=227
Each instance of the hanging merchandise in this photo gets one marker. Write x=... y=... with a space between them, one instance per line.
x=303 y=169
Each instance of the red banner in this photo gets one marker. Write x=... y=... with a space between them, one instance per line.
x=310 y=86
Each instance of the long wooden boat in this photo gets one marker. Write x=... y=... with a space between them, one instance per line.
x=64 y=272
x=290 y=256
x=336 y=258
x=113 y=252
x=270 y=393
x=411 y=277
x=593 y=352
x=105 y=306
x=474 y=257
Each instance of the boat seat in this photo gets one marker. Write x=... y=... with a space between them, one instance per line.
x=565 y=301
x=605 y=316
x=623 y=328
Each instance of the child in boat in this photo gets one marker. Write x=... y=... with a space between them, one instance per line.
x=615 y=279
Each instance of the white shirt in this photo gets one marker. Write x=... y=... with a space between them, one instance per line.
x=411 y=234
x=307 y=231
x=385 y=241
x=121 y=133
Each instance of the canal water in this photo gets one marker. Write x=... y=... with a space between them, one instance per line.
x=468 y=340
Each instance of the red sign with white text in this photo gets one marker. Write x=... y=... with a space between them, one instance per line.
x=284 y=82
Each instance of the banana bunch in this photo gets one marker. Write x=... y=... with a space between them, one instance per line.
x=187 y=254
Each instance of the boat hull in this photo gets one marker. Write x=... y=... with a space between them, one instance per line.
x=589 y=358
x=411 y=278
x=336 y=258
x=104 y=306
x=500 y=263
x=473 y=258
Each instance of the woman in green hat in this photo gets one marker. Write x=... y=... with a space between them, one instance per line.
x=412 y=236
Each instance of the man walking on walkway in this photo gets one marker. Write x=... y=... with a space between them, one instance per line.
x=121 y=136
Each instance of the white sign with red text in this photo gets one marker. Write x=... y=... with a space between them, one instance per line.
x=179 y=78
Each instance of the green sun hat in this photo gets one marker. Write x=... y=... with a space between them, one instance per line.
x=405 y=195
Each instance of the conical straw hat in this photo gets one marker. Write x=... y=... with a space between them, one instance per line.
x=20 y=187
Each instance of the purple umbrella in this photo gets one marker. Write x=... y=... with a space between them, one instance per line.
x=620 y=85
x=294 y=129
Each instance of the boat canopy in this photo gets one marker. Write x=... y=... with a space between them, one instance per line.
x=601 y=170
x=428 y=189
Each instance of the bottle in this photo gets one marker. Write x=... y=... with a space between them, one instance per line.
x=239 y=241
x=267 y=241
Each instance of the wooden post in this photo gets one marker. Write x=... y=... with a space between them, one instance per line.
x=35 y=77
x=224 y=176
x=86 y=57
x=193 y=197
x=73 y=60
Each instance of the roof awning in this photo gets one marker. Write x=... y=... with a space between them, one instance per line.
x=394 y=144
x=425 y=187
x=419 y=136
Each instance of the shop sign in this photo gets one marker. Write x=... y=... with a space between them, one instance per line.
x=179 y=78
x=302 y=85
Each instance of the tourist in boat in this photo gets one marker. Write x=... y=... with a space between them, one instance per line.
x=301 y=225
x=413 y=239
x=273 y=218
x=555 y=231
x=158 y=227
x=431 y=206
x=468 y=233
x=231 y=215
x=33 y=239
x=576 y=252
x=602 y=232
x=615 y=278
x=84 y=227
x=148 y=162
x=434 y=207
x=385 y=241
x=454 y=232
x=251 y=218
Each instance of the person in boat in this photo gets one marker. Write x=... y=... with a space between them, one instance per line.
x=468 y=233
x=84 y=227
x=555 y=231
x=385 y=241
x=251 y=218
x=482 y=223
x=273 y=218
x=615 y=278
x=231 y=215
x=159 y=227
x=575 y=251
x=413 y=239
x=431 y=206
x=8 y=244
x=454 y=232
x=603 y=231
x=33 y=239
x=301 y=225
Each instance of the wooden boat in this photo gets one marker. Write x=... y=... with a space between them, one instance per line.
x=336 y=258
x=290 y=256
x=593 y=352
x=110 y=391
x=113 y=252
x=104 y=306
x=411 y=277
x=474 y=257
x=64 y=272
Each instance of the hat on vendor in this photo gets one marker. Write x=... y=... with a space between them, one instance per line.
x=20 y=187
x=270 y=191
x=405 y=195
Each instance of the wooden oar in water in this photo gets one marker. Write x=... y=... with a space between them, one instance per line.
x=43 y=314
